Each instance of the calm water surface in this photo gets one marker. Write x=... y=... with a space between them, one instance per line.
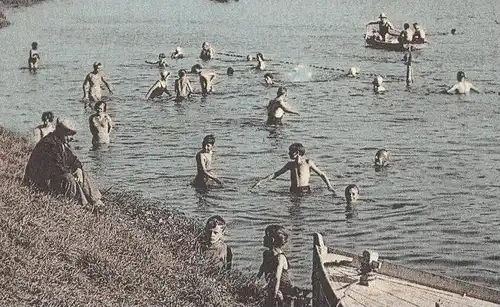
x=435 y=208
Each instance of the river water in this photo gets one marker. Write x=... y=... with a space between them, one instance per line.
x=435 y=207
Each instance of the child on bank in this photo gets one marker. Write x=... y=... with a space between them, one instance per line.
x=275 y=267
x=213 y=247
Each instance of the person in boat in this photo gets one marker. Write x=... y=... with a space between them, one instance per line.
x=206 y=79
x=177 y=54
x=94 y=79
x=462 y=86
x=212 y=244
x=182 y=86
x=207 y=52
x=45 y=128
x=159 y=87
x=162 y=61
x=278 y=106
x=275 y=267
x=100 y=124
x=52 y=167
x=384 y=25
x=268 y=79
x=34 y=57
x=351 y=193
x=204 y=165
x=377 y=85
x=300 y=171
x=381 y=157
x=418 y=35
x=405 y=36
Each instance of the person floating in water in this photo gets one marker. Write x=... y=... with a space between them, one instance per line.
x=206 y=79
x=45 y=128
x=207 y=52
x=300 y=171
x=159 y=87
x=34 y=57
x=377 y=85
x=162 y=61
x=277 y=107
x=381 y=157
x=177 y=54
x=100 y=124
x=204 y=164
x=418 y=35
x=183 y=89
x=462 y=86
x=94 y=79
x=384 y=25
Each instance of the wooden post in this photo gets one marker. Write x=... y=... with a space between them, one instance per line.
x=409 y=78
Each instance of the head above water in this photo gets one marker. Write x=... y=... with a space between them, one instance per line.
x=34 y=45
x=275 y=236
x=297 y=148
x=381 y=157
x=351 y=193
x=230 y=71
x=282 y=91
x=382 y=16
x=101 y=106
x=406 y=26
x=97 y=65
x=453 y=31
x=460 y=75
x=249 y=57
x=182 y=72
x=378 y=80
x=195 y=68
x=205 y=45
x=209 y=139
x=47 y=116
x=178 y=49
x=162 y=55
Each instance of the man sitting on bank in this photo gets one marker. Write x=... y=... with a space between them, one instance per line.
x=53 y=167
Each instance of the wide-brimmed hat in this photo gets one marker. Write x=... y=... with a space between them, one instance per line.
x=382 y=15
x=67 y=124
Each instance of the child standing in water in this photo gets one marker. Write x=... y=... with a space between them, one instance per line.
x=204 y=164
x=213 y=246
x=34 y=57
x=275 y=266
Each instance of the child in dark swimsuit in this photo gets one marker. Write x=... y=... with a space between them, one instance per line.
x=275 y=267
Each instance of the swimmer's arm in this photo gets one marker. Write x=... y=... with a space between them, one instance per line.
x=475 y=90
x=151 y=89
x=110 y=123
x=189 y=87
x=85 y=82
x=92 y=126
x=322 y=175
x=278 y=173
x=453 y=89
x=286 y=107
x=372 y=23
x=107 y=85
x=200 y=160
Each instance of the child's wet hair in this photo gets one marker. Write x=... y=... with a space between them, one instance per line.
x=48 y=115
x=215 y=221
x=195 y=68
x=209 y=139
x=275 y=236
x=99 y=103
x=348 y=188
x=297 y=147
x=34 y=45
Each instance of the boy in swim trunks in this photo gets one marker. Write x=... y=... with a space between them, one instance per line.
x=182 y=87
x=204 y=164
x=94 y=80
x=278 y=106
x=300 y=171
x=159 y=87
x=34 y=57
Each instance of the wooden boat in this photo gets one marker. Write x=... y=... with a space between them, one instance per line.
x=392 y=45
x=346 y=279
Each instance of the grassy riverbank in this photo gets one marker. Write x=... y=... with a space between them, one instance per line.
x=56 y=252
x=12 y=3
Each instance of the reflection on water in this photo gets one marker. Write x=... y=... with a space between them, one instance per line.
x=434 y=207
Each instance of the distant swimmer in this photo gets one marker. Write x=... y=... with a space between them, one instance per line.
x=100 y=124
x=204 y=164
x=183 y=89
x=353 y=72
x=260 y=62
x=384 y=25
x=418 y=35
x=351 y=193
x=207 y=52
x=300 y=171
x=162 y=61
x=159 y=87
x=206 y=79
x=453 y=31
x=249 y=58
x=230 y=71
x=463 y=86
x=377 y=85
x=268 y=79
x=34 y=57
x=177 y=54
x=45 y=128
x=381 y=157
x=277 y=107
x=94 y=79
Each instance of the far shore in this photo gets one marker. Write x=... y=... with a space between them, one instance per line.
x=54 y=251
x=5 y=4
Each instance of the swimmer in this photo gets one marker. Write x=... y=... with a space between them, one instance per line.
x=206 y=79
x=94 y=80
x=260 y=62
x=207 y=52
x=249 y=58
x=353 y=72
x=268 y=79
x=45 y=128
x=204 y=164
x=177 y=54
x=300 y=171
x=462 y=86
x=277 y=107
x=351 y=193
x=230 y=71
x=159 y=87
x=34 y=57
x=183 y=89
x=377 y=85
x=453 y=31
x=381 y=157
x=162 y=61
x=100 y=124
